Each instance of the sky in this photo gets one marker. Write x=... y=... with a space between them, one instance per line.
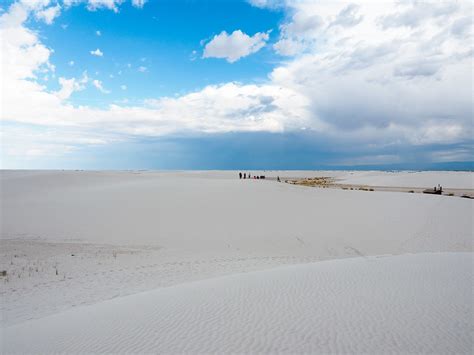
x=261 y=84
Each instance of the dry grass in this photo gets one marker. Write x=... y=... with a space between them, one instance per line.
x=321 y=181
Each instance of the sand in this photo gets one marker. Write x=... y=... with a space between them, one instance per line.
x=76 y=244
x=412 y=303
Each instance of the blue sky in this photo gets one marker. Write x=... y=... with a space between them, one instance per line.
x=161 y=38
x=113 y=84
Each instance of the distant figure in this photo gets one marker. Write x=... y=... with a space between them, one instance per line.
x=278 y=179
x=258 y=177
x=434 y=189
x=440 y=188
x=245 y=176
x=240 y=175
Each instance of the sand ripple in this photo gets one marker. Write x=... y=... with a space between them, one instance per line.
x=408 y=303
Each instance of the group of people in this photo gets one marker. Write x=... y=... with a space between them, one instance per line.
x=258 y=177
x=248 y=176
x=438 y=189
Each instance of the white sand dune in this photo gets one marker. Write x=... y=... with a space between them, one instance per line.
x=74 y=243
x=215 y=211
x=426 y=179
x=406 y=304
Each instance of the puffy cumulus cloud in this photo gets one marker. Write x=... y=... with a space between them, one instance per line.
x=414 y=14
x=269 y=4
x=397 y=70
x=97 y=53
x=94 y=5
x=348 y=16
x=311 y=24
x=34 y=5
x=113 y=5
x=139 y=3
x=48 y=14
x=99 y=86
x=231 y=107
x=68 y=86
x=234 y=46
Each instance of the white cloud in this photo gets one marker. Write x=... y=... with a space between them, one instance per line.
x=107 y=4
x=68 y=86
x=113 y=5
x=71 y=63
x=381 y=70
x=271 y=4
x=289 y=47
x=34 y=5
x=99 y=86
x=123 y=87
x=234 y=46
x=142 y=69
x=98 y=33
x=139 y=3
x=49 y=14
x=93 y=5
x=97 y=53
x=25 y=145
x=414 y=14
x=351 y=78
x=23 y=54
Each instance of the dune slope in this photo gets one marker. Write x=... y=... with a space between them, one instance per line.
x=408 y=303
